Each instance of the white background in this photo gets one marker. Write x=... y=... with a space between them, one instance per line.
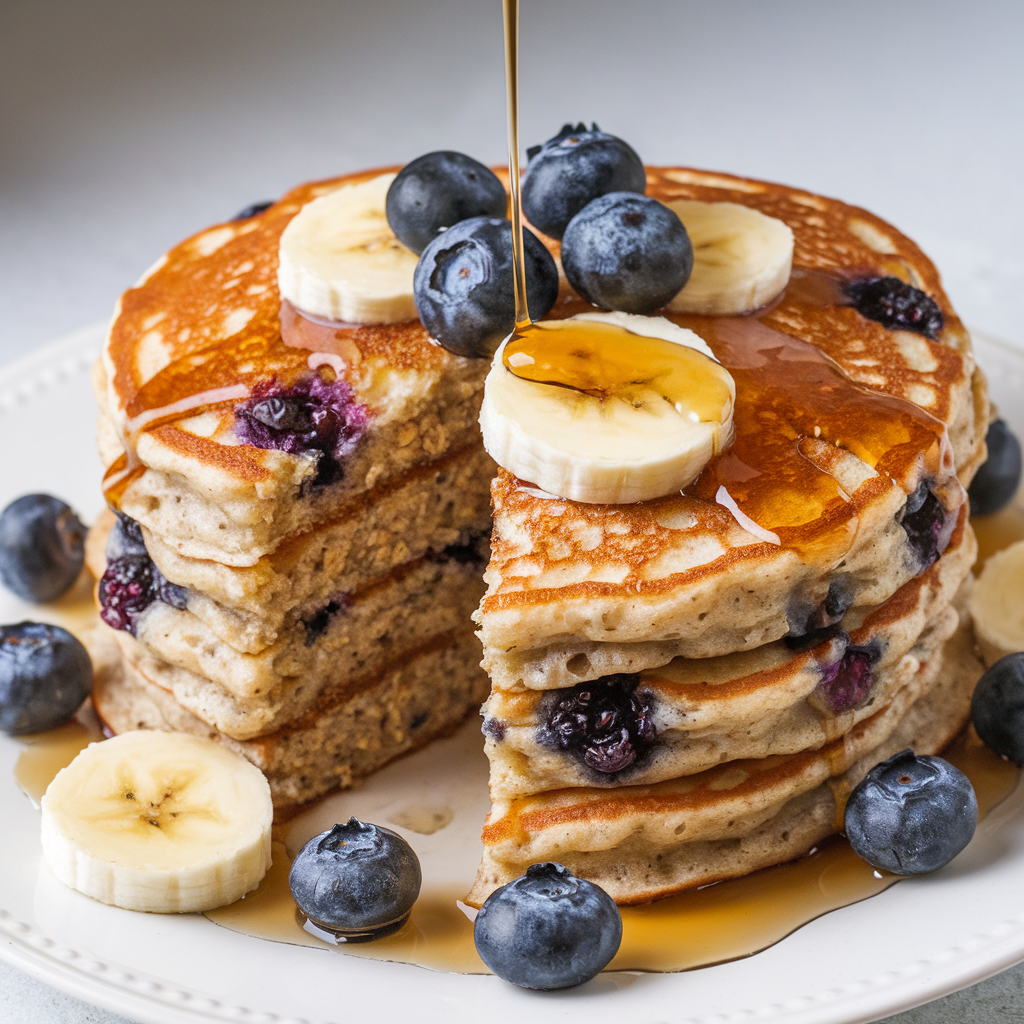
x=125 y=126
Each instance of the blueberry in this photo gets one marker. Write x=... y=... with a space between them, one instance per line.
x=925 y=523
x=438 y=190
x=42 y=547
x=312 y=416
x=911 y=814
x=627 y=252
x=571 y=170
x=464 y=290
x=897 y=305
x=847 y=682
x=995 y=484
x=605 y=723
x=45 y=675
x=131 y=581
x=253 y=210
x=548 y=929
x=358 y=881
x=997 y=707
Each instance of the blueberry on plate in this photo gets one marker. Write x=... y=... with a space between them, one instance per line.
x=995 y=484
x=42 y=547
x=571 y=170
x=45 y=675
x=548 y=929
x=911 y=814
x=464 y=290
x=356 y=880
x=627 y=252
x=896 y=305
x=436 y=191
x=997 y=707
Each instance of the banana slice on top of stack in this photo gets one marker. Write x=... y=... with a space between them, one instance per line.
x=742 y=258
x=339 y=258
x=606 y=407
x=158 y=822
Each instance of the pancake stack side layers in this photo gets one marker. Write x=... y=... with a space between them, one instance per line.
x=300 y=518
x=686 y=689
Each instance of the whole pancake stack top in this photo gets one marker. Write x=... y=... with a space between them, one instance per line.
x=300 y=591
x=685 y=689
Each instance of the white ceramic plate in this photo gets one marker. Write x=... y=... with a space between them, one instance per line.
x=918 y=940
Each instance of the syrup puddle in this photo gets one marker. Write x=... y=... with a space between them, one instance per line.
x=720 y=922
x=999 y=530
x=46 y=753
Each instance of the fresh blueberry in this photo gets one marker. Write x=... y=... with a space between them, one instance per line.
x=911 y=814
x=45 y=675
x=897 y=305
x=571 y=170
x=357 y=881
x=606 y=723
x=42 y=547
x=995 y=484
x=464 y=290
x=312 y=416
x=627 y=252
x=997 y=707
x=548 y=929
x=253 y=210
x=438 y=190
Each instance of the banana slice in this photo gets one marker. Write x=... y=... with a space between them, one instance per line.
x=996 y=607
x=158 y=821
x=340 y=259
x=611 y=413
x=741 y=258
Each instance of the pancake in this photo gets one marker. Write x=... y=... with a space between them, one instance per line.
x=247 y=694
x=346 y=737
x=643 y=843
x=839 y=422
x=754 y=704
x=206 y=317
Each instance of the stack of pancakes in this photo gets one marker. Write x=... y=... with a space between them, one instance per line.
x=686 y=689
x=310 y=611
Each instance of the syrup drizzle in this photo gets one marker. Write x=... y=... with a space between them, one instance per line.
x=511 y=11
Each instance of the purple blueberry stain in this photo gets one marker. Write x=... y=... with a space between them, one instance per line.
x=606 y=723
x=846 y=683
x=494 y=728
x=316 y=625
x=312 y=416
x=925 y=523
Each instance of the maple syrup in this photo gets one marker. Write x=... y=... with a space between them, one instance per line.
x=998 y=530
x=46 y=753
x=606 y=362
x=706 y=926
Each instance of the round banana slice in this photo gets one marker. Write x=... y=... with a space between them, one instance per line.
x=598 y=408
x=160 y=822
x=996 y=607
x=741 y=258
x=340 y=259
